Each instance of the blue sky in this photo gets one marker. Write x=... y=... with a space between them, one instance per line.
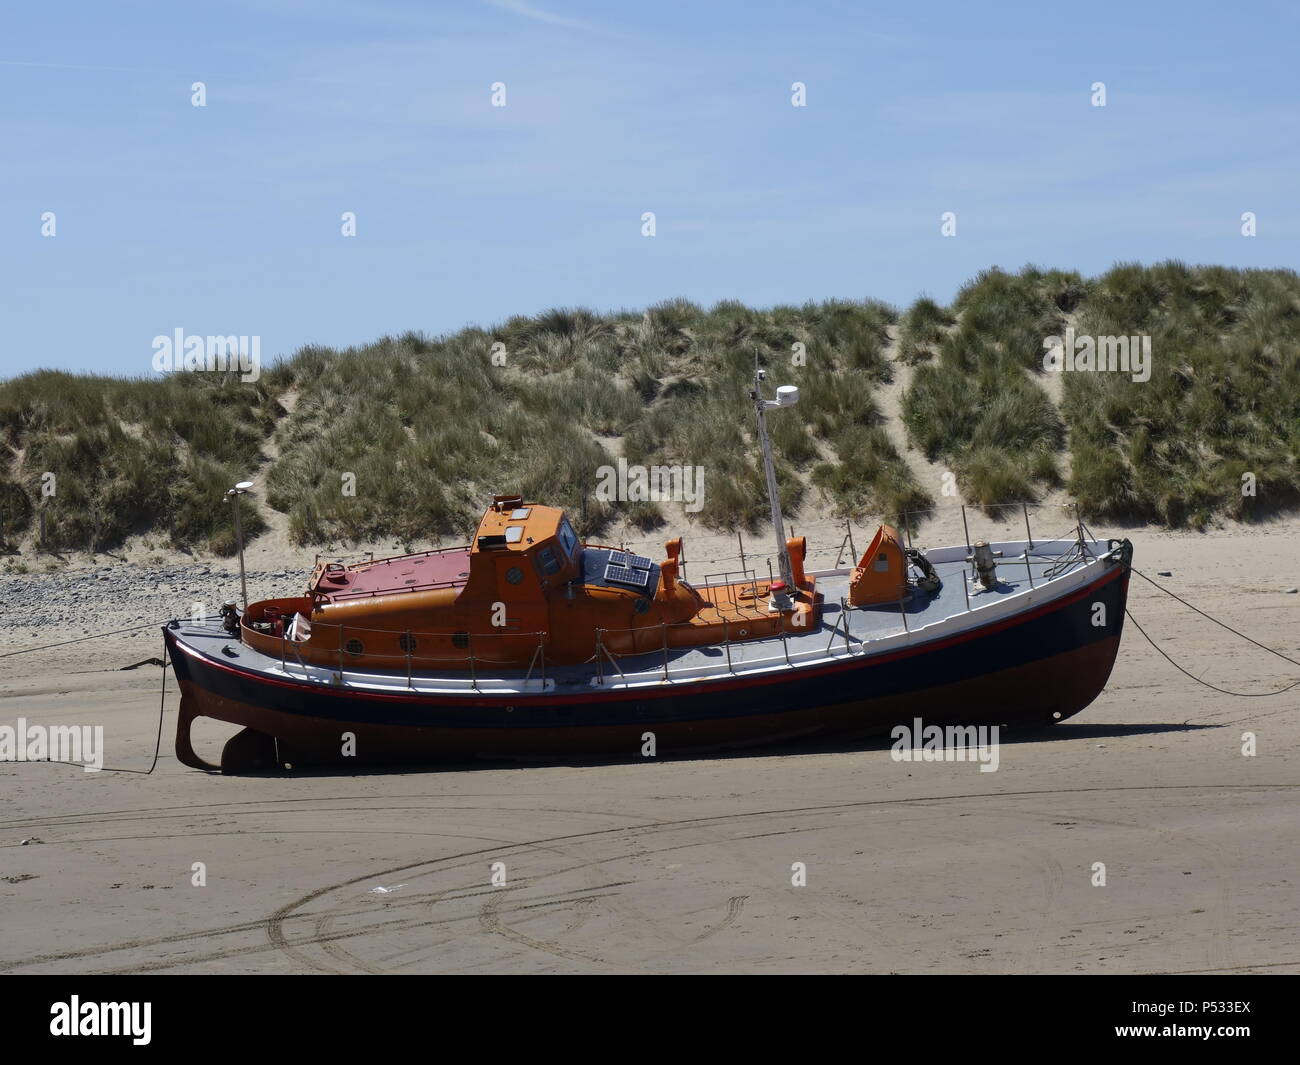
x=226 y=219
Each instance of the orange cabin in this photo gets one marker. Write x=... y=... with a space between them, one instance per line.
x=525 y=581
x=881 y=574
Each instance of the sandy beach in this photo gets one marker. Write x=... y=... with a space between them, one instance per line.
x=674 y=866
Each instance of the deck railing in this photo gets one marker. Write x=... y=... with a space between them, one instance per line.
x=722 y=582
x=409 y=639
x=1079 y=553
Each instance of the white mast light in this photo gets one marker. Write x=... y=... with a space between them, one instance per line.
x=786 y=396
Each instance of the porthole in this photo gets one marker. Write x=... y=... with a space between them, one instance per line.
x=514 y=575
x=641 y=605
x=406 y=642
x=460 y=639
x=354 y=647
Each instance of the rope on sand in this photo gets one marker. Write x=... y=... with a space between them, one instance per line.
x=1206 y=683
x=162 y=705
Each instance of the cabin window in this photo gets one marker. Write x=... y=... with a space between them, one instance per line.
x=514 y=575
x=354 y=647
x=406 y=642
x=568 y=538
x=547 y=563
x=882 y=563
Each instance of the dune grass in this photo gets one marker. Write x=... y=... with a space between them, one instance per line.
x=1216 y=429
x=978 y=406
x=92 y=460
x=922 y=328
x=431 y=427
x=1221 y=411
x=408 y=436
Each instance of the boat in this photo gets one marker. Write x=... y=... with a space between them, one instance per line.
x=530 y=644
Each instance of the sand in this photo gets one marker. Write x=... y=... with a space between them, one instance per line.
x=686 y=866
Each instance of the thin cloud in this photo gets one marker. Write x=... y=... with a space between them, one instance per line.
x=522 y=7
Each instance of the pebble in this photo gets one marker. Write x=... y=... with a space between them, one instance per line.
x=91 y=601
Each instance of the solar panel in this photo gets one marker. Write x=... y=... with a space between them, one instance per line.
x=637 y=578
x=618 y=558
x=639 y=562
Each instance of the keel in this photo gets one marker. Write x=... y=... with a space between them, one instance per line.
x=184 y=748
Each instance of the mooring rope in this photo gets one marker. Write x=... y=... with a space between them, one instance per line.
x=1222 y=691
x=1206 y=683
x=83 y=639
x=1216 y=620
x=157 y=745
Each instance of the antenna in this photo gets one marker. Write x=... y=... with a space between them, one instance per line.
x=233 y=495
x=786 y=396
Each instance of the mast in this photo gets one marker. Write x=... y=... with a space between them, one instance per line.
x=786 y=397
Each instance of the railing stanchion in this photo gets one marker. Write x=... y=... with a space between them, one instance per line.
x=844 y=613
x=341 y=654
x=1029 y=533
x=965 y=586
x=965 y=527
x=726 y=642
x=902 y=609
x=846 y=542
x=409 y=643
x=473 y=677
x=600 y=665
x=663 y=626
